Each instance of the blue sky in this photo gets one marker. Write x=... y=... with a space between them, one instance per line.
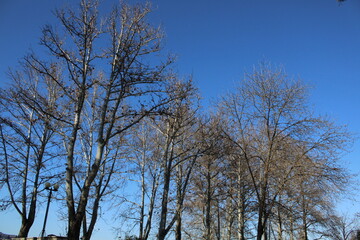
x=216 y=41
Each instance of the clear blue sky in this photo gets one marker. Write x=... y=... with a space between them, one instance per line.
x=216 y=41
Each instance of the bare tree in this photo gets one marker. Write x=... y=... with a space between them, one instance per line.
x=342 y=227
x=144 y=168
x=105 y=77
x=179 y=154
x=241 y=192
x=275 y=132
x=208 y=187
x=27 y=142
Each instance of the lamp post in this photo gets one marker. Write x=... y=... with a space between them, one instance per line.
x=50 y=189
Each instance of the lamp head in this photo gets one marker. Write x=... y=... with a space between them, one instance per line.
x=47 y=185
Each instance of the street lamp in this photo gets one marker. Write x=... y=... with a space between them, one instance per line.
x=50 y=189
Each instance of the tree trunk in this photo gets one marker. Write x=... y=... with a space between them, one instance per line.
x=94 y=216
x=229 y=219
x=218 y=231
x=280 y=227
x=208 y=206
x=142 y=206
x=25 y=227
x=241 y=221
x=241 y=206
x=163 y=216
x=291 y=228
x=27 y=222
x=179 y=202
x=261 y=232
x=77 y=218
x=178 y=227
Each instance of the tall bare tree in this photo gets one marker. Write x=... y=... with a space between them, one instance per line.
x=144 y=171
x=27 y=142
x=275 y=132
x=341 y=227
x=105 y=76
x=179 y=154
x=208 y=187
